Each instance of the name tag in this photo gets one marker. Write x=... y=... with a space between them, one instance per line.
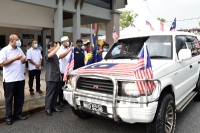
x=77 y=52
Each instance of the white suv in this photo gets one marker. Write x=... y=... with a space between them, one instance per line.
x=108 y=88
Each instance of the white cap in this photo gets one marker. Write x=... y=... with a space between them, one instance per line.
x=64 y=38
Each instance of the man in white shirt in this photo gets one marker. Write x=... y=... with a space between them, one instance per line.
x=12 y=60
x=63 y=55
x=34 y=58
x=119 y=49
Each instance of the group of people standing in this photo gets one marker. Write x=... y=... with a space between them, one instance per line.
x=12 y=59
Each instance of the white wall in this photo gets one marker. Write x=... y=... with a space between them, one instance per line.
x=22 y=14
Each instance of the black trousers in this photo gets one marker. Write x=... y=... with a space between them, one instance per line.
x=52 y=91
x=32 y=74
x=61 y=91
x=16 y=90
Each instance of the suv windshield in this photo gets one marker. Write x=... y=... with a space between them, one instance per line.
x=158 y=47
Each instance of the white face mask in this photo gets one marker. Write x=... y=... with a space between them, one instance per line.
x=18 y=43
x=36 y=45
x=105 y=50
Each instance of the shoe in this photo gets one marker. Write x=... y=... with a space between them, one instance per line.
x=48 y=112
x=8 y=121
x=40 y=91
x=57 y=109
x=31 y=93
x=20 y=118
x=61 y=104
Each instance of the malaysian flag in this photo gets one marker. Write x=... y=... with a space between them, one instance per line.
x=70 y=65
x=173 y=26
x=143 y=70
x=132 y=25
x=161 y=26
x=116 y=69
x=147 y=23
x=115 y=35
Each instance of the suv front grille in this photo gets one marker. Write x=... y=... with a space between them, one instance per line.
x=95 y=85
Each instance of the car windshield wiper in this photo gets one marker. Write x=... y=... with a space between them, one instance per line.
x=157 y=57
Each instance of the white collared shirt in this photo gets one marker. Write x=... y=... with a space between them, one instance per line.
x=14 y=71
x=63 y=62
x=35 y=56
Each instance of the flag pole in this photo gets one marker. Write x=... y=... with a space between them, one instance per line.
x=145 y=68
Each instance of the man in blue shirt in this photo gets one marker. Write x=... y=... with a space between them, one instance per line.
x=79 y=54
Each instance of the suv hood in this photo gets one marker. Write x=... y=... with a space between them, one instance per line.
x=116 y=67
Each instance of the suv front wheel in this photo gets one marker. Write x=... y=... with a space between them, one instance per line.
x=165 y=118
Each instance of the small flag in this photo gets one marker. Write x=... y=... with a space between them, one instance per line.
x=161 y=26
x=70 y=65
x=115 y=35
x=151 y=27
x=143 y=70
x=132 y=25
x=173 y=26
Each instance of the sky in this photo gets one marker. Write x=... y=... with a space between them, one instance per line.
x=169 y=9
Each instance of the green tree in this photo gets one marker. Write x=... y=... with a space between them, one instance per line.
x=126 y=18
x=162 y=19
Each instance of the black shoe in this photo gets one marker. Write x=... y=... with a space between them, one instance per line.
x=57 y=109
x=20 y=118
x=61 y=104
x=39 y=91
x=48 y=112
x=8 y=121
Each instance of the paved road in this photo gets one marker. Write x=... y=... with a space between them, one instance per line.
x=187 y=122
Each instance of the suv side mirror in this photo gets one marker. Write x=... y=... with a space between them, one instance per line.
x=104 y=54
x=184 y=54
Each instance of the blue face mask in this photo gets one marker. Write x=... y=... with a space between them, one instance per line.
x=18 y=43
x=82 y=47
x=105 y=50
x=67 y=44
x=119 y=46
x=36 y=45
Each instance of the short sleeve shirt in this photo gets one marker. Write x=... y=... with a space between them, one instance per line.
x=35 y=55
x=63 y=61
x=52 y=68
x=79 y=56
x=15 y=71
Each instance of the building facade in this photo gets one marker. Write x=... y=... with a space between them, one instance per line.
x=51 y=19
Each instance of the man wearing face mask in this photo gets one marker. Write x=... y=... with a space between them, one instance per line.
x=119 y=49
x=79 y=54
x=12 y=60
x=34 y=58
x=63 y=55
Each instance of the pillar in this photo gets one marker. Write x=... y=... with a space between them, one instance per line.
x=44 y=45
x=76 y=24
x=114 y=22
x=58 y=21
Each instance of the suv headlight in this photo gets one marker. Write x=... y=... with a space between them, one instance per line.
x=130 y=89
x=71 y=81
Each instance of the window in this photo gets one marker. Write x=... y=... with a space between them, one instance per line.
x=158 y=47
x=187 y=42
x=27 y=36
x=101 y=3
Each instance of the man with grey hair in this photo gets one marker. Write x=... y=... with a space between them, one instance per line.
x=12 y=60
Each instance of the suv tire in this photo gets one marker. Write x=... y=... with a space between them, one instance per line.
x=197 y=97
x=165 y=116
